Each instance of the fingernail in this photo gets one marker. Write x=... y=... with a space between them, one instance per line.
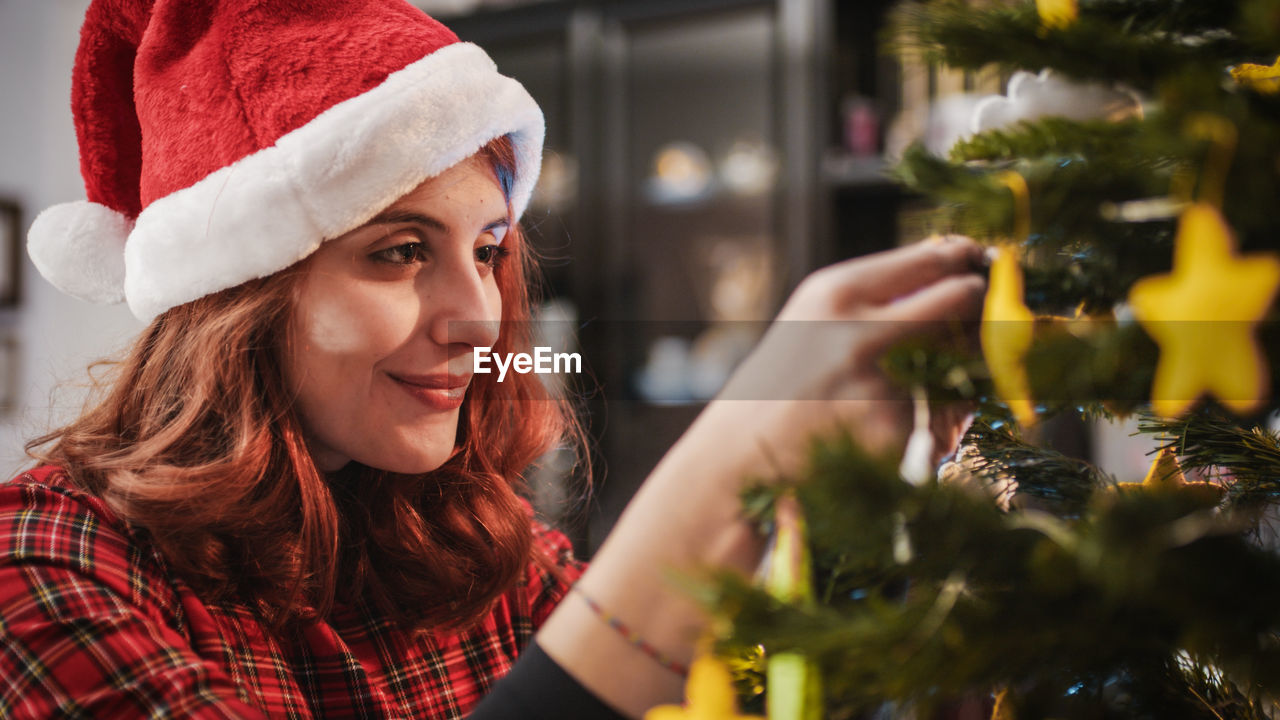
x=980 y=259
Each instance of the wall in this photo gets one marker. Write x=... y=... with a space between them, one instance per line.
x=57 y=336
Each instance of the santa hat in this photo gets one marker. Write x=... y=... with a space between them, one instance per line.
x=223 y=140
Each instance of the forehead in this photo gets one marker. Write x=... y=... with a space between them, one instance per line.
x=472 y=179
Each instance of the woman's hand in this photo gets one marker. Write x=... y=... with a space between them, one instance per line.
x=815 y=370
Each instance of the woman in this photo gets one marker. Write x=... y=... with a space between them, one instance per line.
x=295 y=499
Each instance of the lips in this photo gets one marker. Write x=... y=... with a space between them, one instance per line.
x=439 y=391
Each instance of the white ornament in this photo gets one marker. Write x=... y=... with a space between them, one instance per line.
x=917 y=465
x=1031 y=97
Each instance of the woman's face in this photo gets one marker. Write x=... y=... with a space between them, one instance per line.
x=386 y=321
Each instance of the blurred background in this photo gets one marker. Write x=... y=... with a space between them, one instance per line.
x=702 y=157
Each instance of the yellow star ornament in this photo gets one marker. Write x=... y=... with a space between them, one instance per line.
x=1003 y=709
x=1057 y=14
x=1166 y=475
x=1007 y=327
x=710 y=695
x=1264 y=79
x=1202 y=315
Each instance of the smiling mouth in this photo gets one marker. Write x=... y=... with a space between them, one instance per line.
x=438 y=392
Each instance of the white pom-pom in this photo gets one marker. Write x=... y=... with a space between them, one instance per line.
x=79 y=248
x=1031 y=97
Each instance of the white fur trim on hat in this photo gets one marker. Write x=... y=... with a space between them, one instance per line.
x=79 y=248
x=270 y=209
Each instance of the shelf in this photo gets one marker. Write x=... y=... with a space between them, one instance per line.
x=841 y=170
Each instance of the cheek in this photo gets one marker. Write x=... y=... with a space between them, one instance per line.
x=330 y=325
x=338 y=342
x=495 y=299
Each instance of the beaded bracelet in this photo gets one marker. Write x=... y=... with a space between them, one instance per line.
x=630 y=635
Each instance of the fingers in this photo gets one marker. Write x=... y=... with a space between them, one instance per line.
x=958 y=297
x=948 y=423
x=946 y=303
x=885 y=276
x=880 y=426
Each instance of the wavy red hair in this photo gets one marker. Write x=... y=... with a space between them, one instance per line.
x=202 y=448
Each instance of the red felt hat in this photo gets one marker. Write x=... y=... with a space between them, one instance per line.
x=224 y=140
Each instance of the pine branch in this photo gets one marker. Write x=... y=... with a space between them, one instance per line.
x=948 y=366
x=1067 y=195
x=1092 y=361
x=1059 y=137
x=1178 y=17
x=1260 y=23
x=1209 y=440
x=958 y=597
x=1074 y=365
x=1200 y=686
x=1068 y=483
x=1078 y=173
x=1093 y=278
x=1137 y=48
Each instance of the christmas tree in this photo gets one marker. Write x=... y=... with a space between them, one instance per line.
x=1136 y=251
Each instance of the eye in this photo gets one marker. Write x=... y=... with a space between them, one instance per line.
x=405 y=254
x=491 y=255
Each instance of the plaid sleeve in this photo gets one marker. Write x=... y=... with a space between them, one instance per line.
x=548 y=586
x=88 y=625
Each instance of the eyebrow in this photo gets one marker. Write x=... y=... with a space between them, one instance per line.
x=397 y=217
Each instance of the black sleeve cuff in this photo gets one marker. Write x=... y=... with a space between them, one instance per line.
x=537 y=688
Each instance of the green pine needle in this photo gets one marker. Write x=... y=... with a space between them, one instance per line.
x=1209 y=440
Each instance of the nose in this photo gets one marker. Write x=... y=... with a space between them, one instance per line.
x=464 y=307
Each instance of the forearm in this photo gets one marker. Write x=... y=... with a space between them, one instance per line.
x=685 y=520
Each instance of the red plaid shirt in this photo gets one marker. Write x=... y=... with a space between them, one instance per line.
x=93 y=626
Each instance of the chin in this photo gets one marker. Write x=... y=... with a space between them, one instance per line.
x=414 y=449
x=409 y=462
